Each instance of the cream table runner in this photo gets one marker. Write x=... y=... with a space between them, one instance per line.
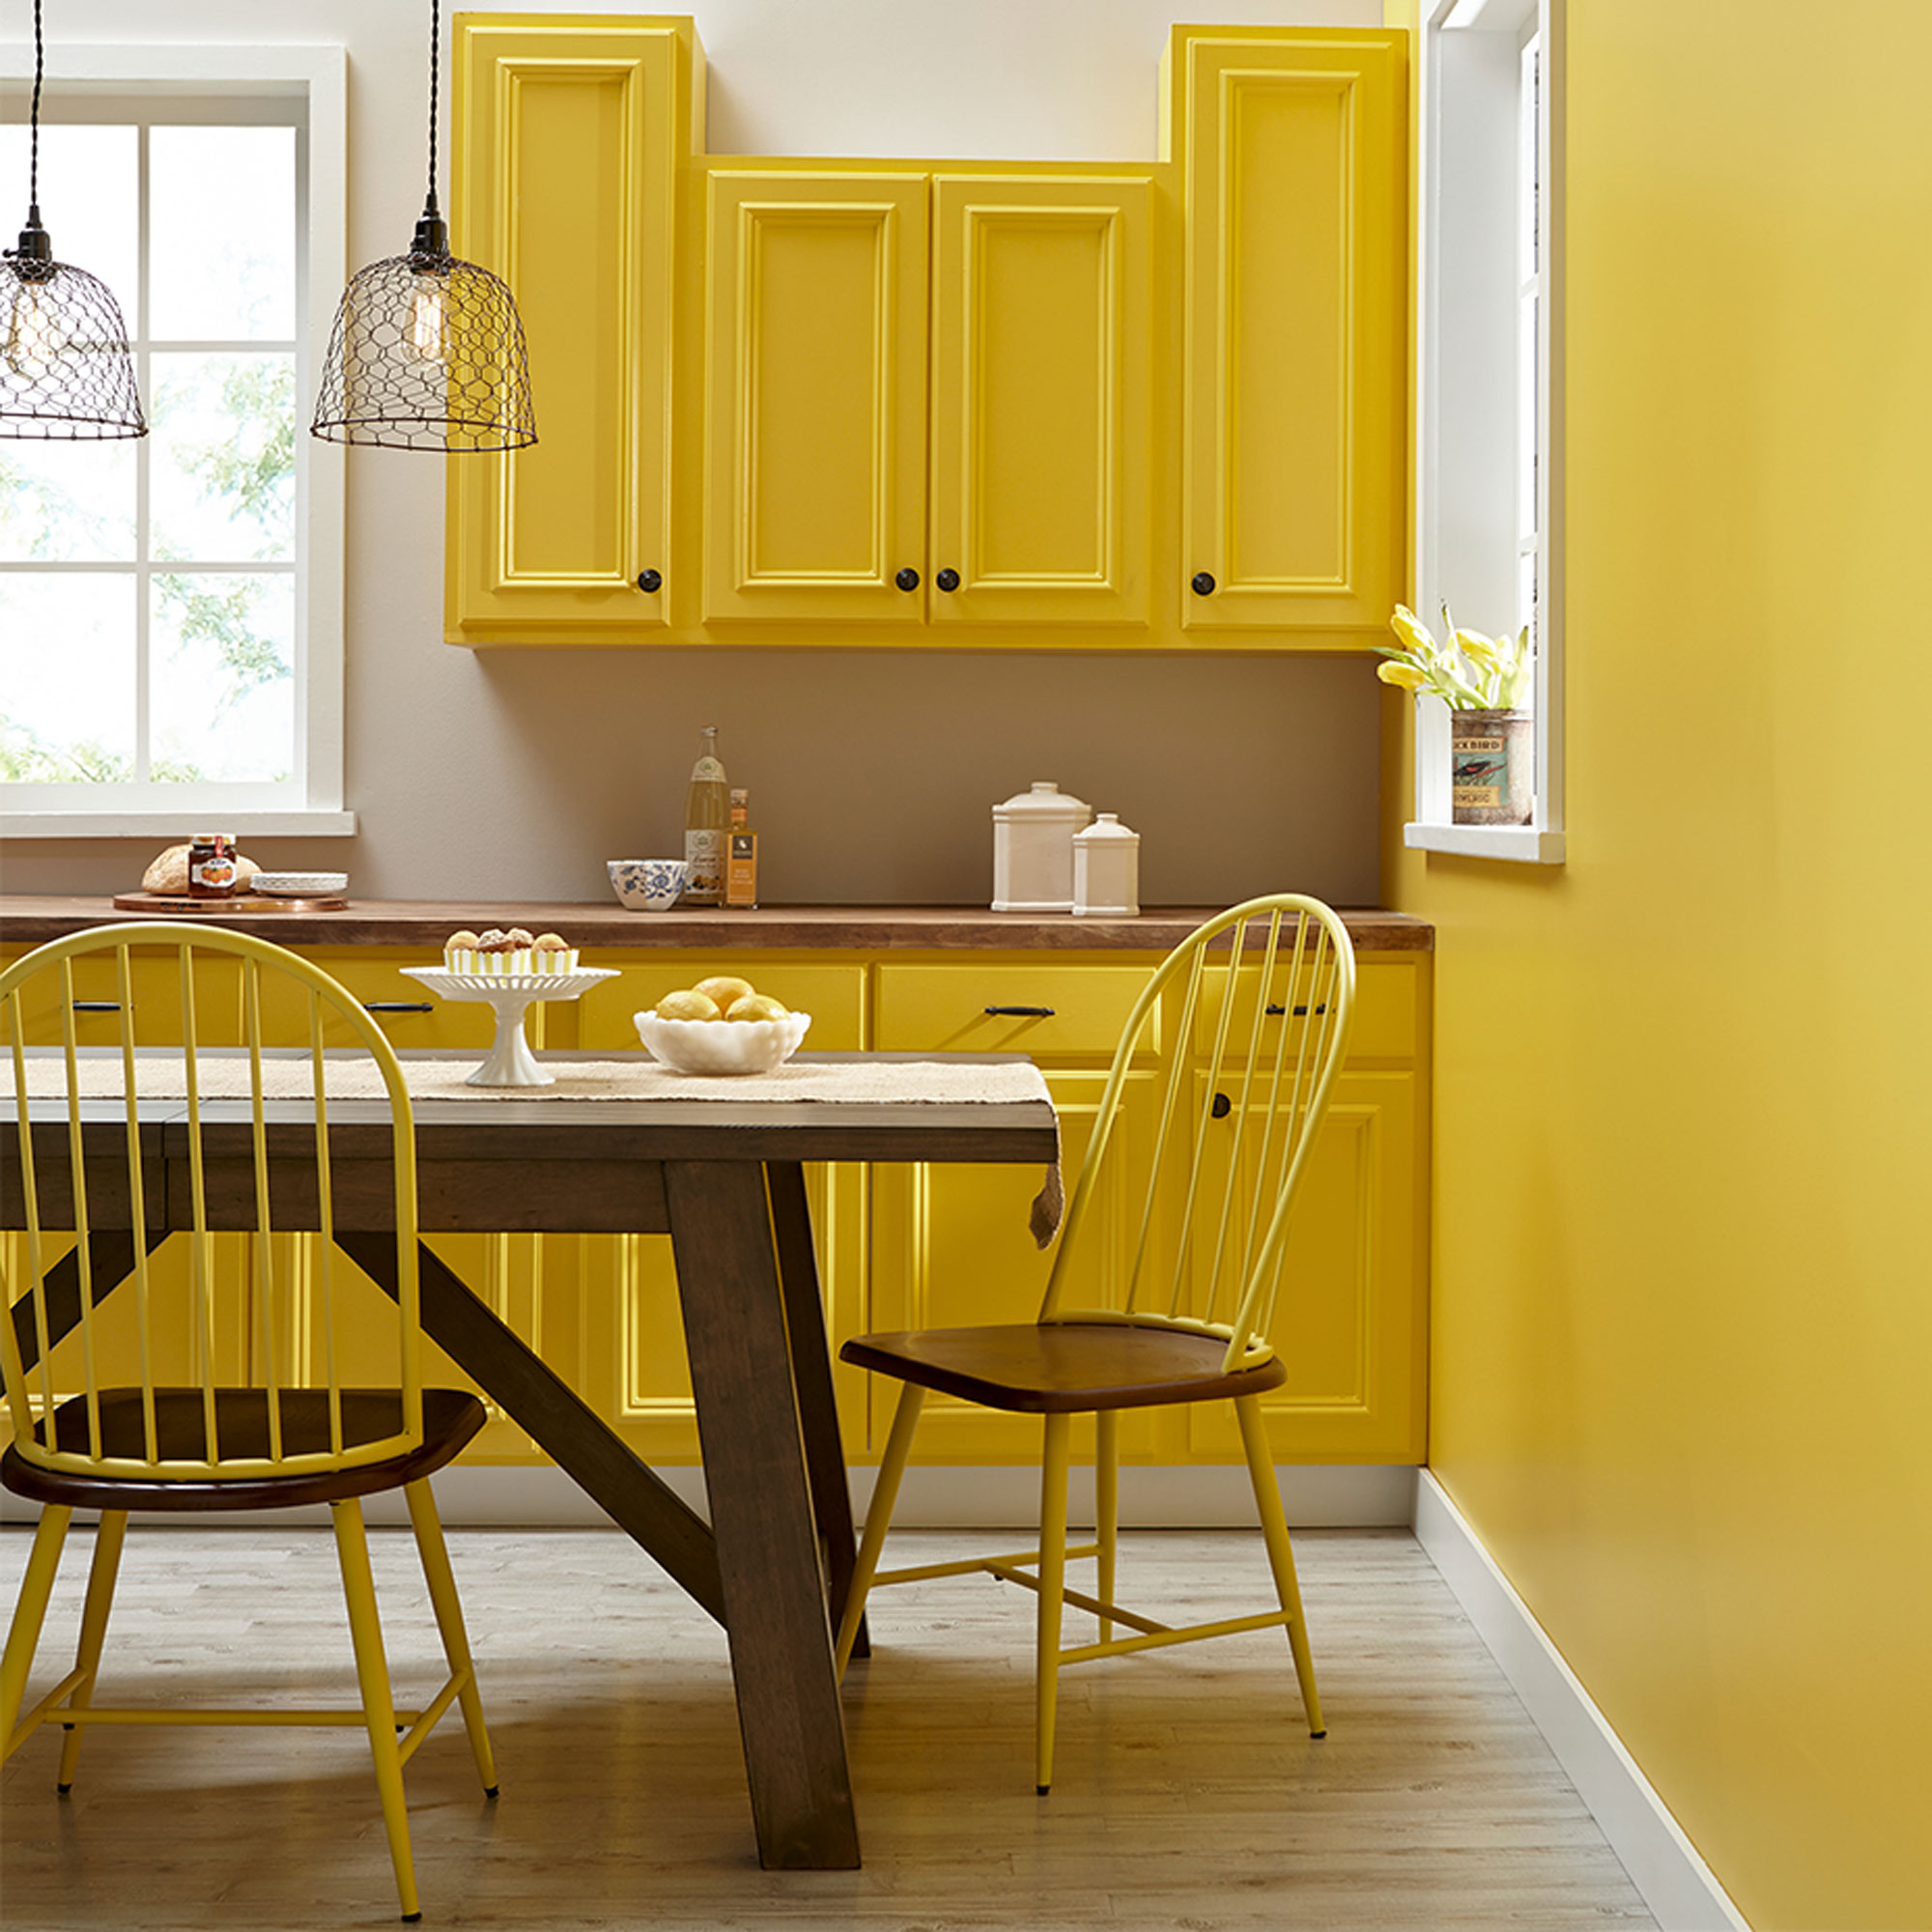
x=289 y=1076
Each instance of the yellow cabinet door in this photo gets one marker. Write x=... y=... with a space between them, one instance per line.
x=814 y=400
x=627 y=1341
x=1293 y=507
x=1350 y=1320
x=1040 y=399
x=567 y=136
x=952 y=1247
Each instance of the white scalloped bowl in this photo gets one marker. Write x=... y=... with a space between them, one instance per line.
x=723 y=1046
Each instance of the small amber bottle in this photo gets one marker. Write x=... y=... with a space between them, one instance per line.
x=741 y=854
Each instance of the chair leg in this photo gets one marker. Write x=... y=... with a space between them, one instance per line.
x=448 y=1608
x=378 y=1709
x=30 y=1612
x=878 y=1519
x=101 y=1577
x=1281 y=1557
x=1052 y=1592
x=1107 y=1506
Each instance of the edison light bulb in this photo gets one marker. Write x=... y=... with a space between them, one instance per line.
x=427 y=319
x=34 y=340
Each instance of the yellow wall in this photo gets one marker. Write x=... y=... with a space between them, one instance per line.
x=1683 y=1327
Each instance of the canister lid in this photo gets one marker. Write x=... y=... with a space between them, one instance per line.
x=1045 y=801
x=1107 y=828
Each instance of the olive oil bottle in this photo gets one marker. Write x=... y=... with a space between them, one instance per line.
x=707 y=819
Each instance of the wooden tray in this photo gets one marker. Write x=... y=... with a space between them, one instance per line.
x=245 y=902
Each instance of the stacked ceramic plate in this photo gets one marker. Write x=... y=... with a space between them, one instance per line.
x=301 y=885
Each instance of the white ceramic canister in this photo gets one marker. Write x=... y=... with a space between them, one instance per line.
x=1033 y=849
x=1106 y=870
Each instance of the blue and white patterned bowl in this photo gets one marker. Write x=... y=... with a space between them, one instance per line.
x=647 y=885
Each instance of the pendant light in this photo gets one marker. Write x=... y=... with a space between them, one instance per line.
x=65 y=373
x=428 y=350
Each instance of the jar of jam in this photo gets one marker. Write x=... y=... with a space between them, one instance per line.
x=210 y=865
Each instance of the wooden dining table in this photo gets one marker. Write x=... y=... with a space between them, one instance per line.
x=723 y=1179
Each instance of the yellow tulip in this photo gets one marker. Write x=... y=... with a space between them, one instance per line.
x=1413 y=632
x=1481 y=651
x=1405 y=675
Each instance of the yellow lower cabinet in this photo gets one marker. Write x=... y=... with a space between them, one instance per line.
x=180 y=1336
x=1348 y=1321
x=629 y=1330
x=152 y=984
x=952 y=1247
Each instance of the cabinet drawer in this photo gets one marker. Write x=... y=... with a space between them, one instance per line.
x=835 y=996
x=154 y=983
x=409 y=1013
x=1047 y=1011
x=1384 y=1027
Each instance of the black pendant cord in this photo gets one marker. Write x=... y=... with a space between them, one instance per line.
x=432 y=237
x=34 y=138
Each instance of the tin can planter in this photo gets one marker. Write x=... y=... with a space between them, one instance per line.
x=1491 y=767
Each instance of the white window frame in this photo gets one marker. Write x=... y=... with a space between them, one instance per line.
x=319 y=75
x=1467 y=509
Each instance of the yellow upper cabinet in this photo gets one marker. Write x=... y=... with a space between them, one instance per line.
x=1294 y=149
x=1039 y=400
x=815 y=396
x=976 y=454
x=568 y=133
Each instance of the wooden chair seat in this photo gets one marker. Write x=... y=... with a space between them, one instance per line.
x=1063 y=1368
x=451 y=1418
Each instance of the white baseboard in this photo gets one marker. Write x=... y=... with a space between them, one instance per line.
x=1680 y=1889
x=522 y=1496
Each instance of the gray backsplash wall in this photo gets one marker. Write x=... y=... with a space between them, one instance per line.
x=513 y=775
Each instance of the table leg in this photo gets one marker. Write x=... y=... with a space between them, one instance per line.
x=768 y=1562
x=111 y=1261
x=566 y=1427
x=812 y=1370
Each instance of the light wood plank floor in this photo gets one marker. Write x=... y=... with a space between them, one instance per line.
x=1187 y=1793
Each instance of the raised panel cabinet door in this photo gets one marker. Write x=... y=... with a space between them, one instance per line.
x=951 y=1248
x=566 y=139
x=1349 y=1321
x=815 y=404
x=1293 y=480
x=1039 y=400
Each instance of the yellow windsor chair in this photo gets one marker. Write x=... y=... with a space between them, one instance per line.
x=1185 y=1311
x=177 y=1435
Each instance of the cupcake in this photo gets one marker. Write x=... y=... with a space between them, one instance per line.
x=458 y=952
x=554 y=955
x=503 y=954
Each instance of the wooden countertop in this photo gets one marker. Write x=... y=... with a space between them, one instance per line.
x=28 y=921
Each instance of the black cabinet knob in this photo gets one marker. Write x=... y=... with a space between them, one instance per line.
x=1204 y=583
x=947 y=580
x=1222 y=1107
x=649 y=580
x=907 y=579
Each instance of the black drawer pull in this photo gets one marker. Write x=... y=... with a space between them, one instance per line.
x=398 y=1005
x=1222 y=1107
x=1300 y=1012
x=97 y=1006
x=1021 y=1012
x=650 y=582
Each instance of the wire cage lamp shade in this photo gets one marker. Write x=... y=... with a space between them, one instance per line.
x=66 y=371
x=427 y=352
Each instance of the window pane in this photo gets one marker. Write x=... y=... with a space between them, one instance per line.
x=221 y=690
x=90 y=200
x=224 y=476
x=67 y=502
x=222 y=261
x=67 y=677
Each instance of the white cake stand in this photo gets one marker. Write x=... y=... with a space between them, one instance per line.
x=511 y=1063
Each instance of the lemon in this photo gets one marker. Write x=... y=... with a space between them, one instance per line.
x=756 y=1006
x=722 y=988
x=691 y=1005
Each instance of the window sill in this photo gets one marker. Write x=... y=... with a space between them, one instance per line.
x=1523 y=844
x=168 y=824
